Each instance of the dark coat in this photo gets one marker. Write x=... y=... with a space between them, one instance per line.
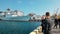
x=45 y=25
x=56 y=21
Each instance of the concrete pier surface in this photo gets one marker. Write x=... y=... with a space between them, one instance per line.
x=55 y=31
x=38 y=31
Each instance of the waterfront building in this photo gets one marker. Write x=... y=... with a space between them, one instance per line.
x=31 y=14
x=36 y=17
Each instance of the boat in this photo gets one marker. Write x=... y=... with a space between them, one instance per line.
x=15 y=15
x=13 y=24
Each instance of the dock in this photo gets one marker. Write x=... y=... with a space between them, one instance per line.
x=55 y=31
x=39 y=31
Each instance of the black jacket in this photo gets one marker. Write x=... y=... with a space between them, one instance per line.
x=45 y=25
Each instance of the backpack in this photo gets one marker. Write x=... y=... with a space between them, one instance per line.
x=45 y=25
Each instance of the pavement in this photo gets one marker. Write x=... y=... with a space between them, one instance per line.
x=55 y=31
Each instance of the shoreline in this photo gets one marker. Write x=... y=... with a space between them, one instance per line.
x=21 y=20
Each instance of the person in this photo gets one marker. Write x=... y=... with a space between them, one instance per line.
x=46 y=25
x=55 y=21
x=59 y=22
x=42 y=20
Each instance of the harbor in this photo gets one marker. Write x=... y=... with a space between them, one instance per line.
x=16 y=23
x=29 y=16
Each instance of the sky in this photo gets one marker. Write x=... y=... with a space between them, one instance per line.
x=39 y=7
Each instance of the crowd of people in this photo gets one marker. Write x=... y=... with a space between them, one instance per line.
x=47 y=23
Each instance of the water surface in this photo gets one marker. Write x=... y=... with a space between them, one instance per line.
x=17 y=27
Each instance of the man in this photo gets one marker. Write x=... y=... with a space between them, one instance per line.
x=59 y=22
x=46 y=24
x=55 y=21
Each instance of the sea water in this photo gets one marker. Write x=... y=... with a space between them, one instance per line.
x=17 y=27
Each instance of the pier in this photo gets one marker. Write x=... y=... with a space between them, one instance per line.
x=39 y=31
x=55 y=31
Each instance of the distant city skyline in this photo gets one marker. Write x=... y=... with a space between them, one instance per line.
x=39 y=7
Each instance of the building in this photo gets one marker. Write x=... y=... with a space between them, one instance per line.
x=36 y=17
x=33 y=16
